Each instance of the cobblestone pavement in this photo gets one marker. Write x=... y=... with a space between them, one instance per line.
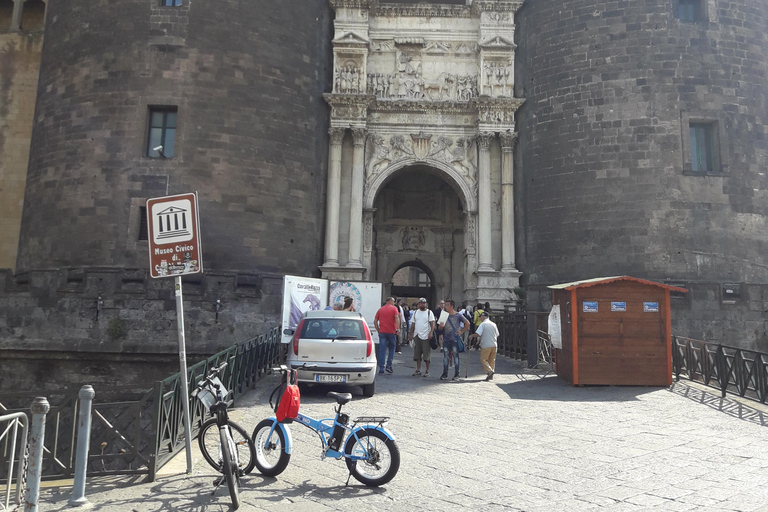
x=525 y=441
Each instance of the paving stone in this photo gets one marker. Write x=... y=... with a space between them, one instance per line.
x=526 y=441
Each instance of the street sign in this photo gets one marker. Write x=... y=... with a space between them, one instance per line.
x=174 y=236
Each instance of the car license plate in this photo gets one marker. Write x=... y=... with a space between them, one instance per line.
x=331 y=378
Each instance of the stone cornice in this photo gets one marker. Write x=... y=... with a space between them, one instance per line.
x=479 y=6
x=421 y=10
x=488 y=103
x=335 y=99
x=422 y=107
x=354 y=4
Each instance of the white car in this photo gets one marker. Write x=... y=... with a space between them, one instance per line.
x=339 y=347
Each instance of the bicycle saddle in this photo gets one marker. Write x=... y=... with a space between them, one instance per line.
x=341 y=398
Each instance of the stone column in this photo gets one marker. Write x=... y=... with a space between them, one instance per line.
x=18 y=5
x=356 y=204
x=507 y=202
x=333 y=198
x=484 y=202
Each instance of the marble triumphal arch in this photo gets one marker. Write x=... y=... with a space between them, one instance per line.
x=421 y=145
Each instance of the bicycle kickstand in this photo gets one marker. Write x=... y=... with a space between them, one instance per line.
x=348 y=477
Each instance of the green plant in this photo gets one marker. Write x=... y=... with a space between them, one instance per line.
x=519 y=293
x=116 y=329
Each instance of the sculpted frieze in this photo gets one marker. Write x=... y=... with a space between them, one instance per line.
x=413 y=86
x=421 y=10
x=385 y=150
x=349 y=79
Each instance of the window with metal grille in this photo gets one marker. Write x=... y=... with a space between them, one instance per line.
x=162 y=132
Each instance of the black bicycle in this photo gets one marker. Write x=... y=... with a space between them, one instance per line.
x=225 y=445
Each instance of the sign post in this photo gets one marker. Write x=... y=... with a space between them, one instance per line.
x=174 y=250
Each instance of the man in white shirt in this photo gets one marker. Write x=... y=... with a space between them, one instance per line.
x=422 y=328
x=488 y=333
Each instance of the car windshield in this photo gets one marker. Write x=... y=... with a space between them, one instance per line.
x=333 y=328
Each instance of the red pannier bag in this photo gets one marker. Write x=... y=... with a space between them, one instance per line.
x=288 y=407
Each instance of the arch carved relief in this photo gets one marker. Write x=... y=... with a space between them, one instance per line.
x=466 y=189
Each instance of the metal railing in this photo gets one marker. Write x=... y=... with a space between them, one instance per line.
x=9 y=441
x=513 y=332
x=136 y=430
x=729 y=369
x=247 y=362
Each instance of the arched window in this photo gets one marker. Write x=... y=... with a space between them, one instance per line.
x=6 y=14
x=33 y=16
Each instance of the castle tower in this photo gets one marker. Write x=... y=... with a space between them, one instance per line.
x=232 y=90
x=646 y=152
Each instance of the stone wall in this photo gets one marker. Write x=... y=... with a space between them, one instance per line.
x=110 y=326
x=19 y=67
x=246 y=78
x=603 y=154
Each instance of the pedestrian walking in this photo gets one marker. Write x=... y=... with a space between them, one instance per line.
x=386 y=323
x=402 y=328
x=422 y=329
x=453 y=327
x=438 y=311
x=487 y=333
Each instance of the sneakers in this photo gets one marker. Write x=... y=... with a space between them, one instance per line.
x=490 y=375
x=398 y=352
x=426 y=374
x=416 y=373
x=444 y=376
x=390 y=370
x=455 y=377
x=381 y=372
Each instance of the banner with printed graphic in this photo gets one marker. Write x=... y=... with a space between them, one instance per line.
x=366 y=298
x=301 y=294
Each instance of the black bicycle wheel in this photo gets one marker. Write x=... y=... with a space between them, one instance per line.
x=382 y=457
x=230 y=466
x=208 y=439
x=271 y=459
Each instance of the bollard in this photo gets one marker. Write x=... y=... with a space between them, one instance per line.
x=39 y=409
x=83 y=443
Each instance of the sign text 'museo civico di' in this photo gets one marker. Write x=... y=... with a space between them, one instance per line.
x=174 y=236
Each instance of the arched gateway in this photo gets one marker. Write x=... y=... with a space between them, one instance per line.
x=423 y=90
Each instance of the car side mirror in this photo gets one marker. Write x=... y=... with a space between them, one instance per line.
x=288 y=332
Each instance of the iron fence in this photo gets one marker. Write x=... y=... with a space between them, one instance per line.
x=137 y=429
x=729 y=369
x=513 y=329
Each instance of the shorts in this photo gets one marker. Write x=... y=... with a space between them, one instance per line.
x=421 y=349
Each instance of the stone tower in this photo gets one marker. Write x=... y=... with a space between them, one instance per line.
x=237 y=89
x=645 y=152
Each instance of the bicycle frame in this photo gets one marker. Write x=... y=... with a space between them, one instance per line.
x=324 y=428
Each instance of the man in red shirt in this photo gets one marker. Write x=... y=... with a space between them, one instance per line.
x=387 y=322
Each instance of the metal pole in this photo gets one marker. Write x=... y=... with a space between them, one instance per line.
x=83 y=445
x=183 y=376
x=39 y=409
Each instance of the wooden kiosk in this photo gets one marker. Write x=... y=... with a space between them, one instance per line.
x=615 y=331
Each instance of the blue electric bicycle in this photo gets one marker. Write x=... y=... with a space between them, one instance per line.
x=369 y=449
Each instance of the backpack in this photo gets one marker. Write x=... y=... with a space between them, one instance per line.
x=287 y=408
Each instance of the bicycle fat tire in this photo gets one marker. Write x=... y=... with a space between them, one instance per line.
x=269 y=449
x=229 y=467
x=208 y=440
x=384 y=455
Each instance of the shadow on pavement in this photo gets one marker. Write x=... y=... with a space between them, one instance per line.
x=735 y=407
x=535 y=386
